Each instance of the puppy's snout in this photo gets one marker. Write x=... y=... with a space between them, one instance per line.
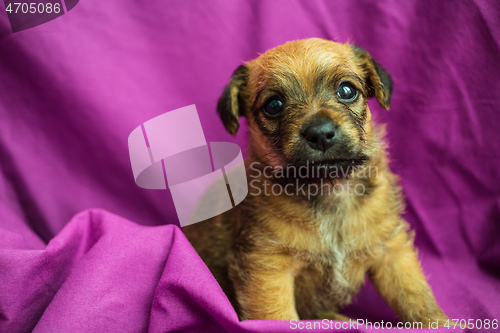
x=320 y=135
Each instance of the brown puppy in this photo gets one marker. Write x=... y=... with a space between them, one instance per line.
x=324 y=209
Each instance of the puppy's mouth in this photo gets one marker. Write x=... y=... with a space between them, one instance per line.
x=315 y=171
x=332 y=168
x=335 y=162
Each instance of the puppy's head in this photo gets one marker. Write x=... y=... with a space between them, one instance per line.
x=306 y=104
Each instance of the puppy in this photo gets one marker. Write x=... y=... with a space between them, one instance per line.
x=323 y=209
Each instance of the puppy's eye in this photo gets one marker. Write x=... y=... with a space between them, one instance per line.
x=273 y=106
x=347 y=92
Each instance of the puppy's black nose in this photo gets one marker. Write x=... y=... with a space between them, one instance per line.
x=320 y=135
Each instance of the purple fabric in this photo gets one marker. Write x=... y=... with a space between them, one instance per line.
x=71 y=91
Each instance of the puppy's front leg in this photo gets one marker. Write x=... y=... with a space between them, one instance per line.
x=399 y=279
x=264 y=285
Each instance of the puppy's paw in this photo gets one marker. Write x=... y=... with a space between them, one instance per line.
x=439 y=321
x=332 y=316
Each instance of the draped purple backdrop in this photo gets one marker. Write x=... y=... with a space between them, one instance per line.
x=71 y=91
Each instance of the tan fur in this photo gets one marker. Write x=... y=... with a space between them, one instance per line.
x=290 y=257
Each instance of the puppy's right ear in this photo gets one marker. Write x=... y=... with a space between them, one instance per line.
x=231 y=103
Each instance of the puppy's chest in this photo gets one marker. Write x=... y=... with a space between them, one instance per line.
x=327 y=238
x=335 y=240
x=328 y=248
x=336 y=251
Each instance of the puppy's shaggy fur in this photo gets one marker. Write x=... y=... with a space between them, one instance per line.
x=305 y=253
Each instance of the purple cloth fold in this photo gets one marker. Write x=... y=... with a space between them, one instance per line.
x=72 y=90
x=102 y=273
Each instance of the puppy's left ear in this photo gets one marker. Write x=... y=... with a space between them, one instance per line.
x=231 y=104
x=377 y=79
